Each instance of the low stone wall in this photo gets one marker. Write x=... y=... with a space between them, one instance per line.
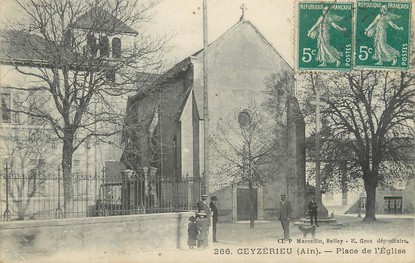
x=99 y=235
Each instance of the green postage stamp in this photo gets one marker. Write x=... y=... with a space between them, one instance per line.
x=325 y=36
x=382 y=34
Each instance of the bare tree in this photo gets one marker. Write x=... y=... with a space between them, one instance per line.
x=371 y=119
x=251 y=145
x=244 y=151
x=25 y=152
x=338 y=172
x=76 y=74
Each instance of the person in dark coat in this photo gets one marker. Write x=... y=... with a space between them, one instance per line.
x=192 y=232
x=202 y=230
x=215 y=215
x=285 y=215
x=204 y=207
x=312 y=210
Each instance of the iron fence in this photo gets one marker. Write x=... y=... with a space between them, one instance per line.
x=41 y=196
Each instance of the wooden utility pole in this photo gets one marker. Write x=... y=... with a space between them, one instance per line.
x=205 y=100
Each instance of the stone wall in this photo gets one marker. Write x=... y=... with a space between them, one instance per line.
x=118 y=235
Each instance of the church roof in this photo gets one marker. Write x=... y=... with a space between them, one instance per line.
x=17 y=45
x=188 y=61
x=239 y=23
x=215 y=45
x=99 y=20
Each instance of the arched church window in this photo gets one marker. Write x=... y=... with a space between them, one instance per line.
x=68 y=38
x=91 y=45
x=175 y=155
x=104 y=46
x=116 y=47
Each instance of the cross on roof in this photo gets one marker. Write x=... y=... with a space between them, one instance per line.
x=243 y=8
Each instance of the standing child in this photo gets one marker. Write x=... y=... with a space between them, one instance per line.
x=192 y=232
x=202 y=230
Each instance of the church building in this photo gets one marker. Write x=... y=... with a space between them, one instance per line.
x=165 y=123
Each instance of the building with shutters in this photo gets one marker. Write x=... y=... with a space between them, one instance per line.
x=29 y=146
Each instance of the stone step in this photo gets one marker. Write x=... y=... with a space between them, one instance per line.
x=320 y=221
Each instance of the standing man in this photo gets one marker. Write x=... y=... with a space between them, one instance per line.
x=285 y=215
x=312 y=210
x=215 y=215
x=203 y=207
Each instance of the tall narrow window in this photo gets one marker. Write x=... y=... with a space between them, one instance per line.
x=68 y=39
x=5 y=106
x=116 y=47
x=91 y=45
x=104 y=46
x=37 y=106
x=37 y=177
x=175 y=155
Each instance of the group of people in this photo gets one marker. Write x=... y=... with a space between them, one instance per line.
x=207 y=215
x=198 y=227
x=286 y=211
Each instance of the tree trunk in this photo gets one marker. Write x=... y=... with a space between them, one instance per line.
x=251 y=206
x=20 y=209
x=370 y=188
x=19 y=201
x=67 y=153
x=344 y=181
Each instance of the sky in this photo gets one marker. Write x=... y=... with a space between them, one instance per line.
x=273 y=18
x=183 y=19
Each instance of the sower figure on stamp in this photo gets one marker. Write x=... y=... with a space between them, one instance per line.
x=215 y=215
x=312 y=210
x=382 y=51
x=326 y=53
x=285 y=215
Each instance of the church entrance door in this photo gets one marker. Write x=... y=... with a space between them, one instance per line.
x=243 y=204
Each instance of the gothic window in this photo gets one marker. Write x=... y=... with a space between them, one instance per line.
x=116 y=47
x=5 y=97
x=104 y=46
x=175 y=154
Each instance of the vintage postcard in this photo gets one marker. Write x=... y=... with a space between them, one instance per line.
x=206 y=131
